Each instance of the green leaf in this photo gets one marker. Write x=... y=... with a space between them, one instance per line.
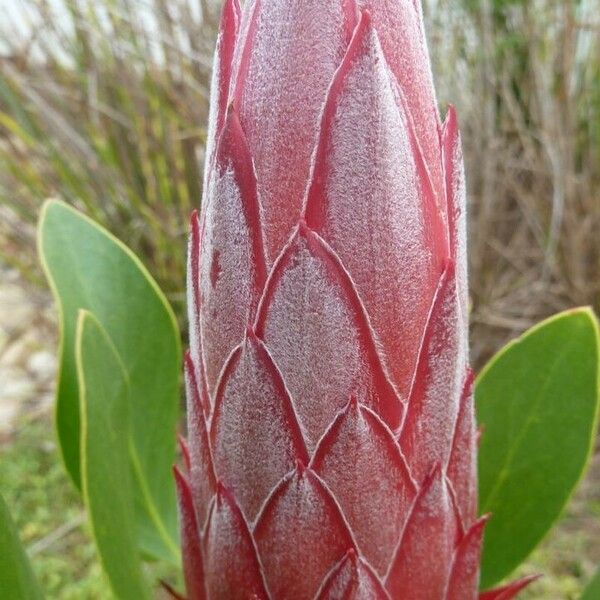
x=90 y=269
x=17 y=581
x=592 y=591
x=537 y=403
x=105 y=471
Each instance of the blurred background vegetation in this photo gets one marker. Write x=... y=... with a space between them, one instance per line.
x=103 y=103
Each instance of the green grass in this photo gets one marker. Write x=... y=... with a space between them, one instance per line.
x=44 y=503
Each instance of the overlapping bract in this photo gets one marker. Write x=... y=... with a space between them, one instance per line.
x=330 y=417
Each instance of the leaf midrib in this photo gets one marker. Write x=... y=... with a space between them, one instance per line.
x=510 y=455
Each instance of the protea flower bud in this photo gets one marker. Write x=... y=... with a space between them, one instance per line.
x=330 y=416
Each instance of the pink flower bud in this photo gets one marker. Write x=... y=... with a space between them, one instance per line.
x=330 y=413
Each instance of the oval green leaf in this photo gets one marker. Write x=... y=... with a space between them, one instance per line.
x=90 y=269
x=105 y=471
x=592 y=591
x=17 y=581
x=537 y=404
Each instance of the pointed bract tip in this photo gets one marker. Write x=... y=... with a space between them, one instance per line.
x=220 y=489
x=364 y=26
x=510 y=590
x=231 y=6
x=300 y=468
x=180 y=479
x=352 y=403
x=194 y=222
x=351 y=555
x=352 y=15
x=251 y=336
x=469 y=381
x=448 y=268
x=232 y=109
x=451 y=117
x=230 y=14
x=185 y=452
x=303 y=228
x=232 y=119
x=479 y=525
x=364 y=20
x=474 y=534
x=361 y=25
x=434 y=473
x=450 y=132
